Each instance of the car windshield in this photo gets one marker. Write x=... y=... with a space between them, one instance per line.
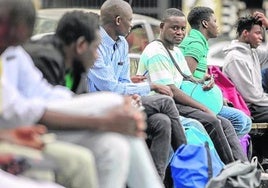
x=45 y=25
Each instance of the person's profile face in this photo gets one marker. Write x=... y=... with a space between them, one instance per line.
x=90 y=55
x=254 y=37
x=212 y=27
x=125 y=24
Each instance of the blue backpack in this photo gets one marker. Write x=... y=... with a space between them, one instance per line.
x=194 y=163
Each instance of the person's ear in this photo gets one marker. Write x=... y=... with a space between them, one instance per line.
x=117 y=20
x=245 y=33
x=161 y=25
x=81 y=45
x=204 y=23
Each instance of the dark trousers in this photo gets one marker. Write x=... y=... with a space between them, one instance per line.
x=259 y=113
x=164 y=129
x=259 y=140
x=220 y=131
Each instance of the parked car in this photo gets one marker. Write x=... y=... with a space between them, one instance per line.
x=145 y=29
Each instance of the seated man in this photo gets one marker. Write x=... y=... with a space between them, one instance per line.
x=195 y=48
x=96 y=130
x=111 y=73
x=157 y=61
x=243 y=66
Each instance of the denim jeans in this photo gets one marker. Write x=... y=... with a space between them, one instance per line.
x=241 y=122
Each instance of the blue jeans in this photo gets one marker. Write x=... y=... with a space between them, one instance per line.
x=240 y=121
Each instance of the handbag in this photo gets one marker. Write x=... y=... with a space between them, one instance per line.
x=238 y=174
x=193 y=164
x=212 y=99
x=228 y=89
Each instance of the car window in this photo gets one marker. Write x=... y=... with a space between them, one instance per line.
x=44 y=25
x=137 y=39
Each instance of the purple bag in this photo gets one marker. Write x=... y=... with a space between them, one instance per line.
x=245 y=142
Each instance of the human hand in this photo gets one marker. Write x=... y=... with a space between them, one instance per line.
x=29 y=136
x=136 y=101
x=13 y=164
x=138 y=78
x=5 y=159
x=127 y=119
x=162 y=89
x=261 y=17
x=209 y=85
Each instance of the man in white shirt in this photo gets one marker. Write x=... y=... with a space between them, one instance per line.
x=119 y=158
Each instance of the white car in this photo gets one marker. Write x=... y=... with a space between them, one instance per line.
x=145 y=29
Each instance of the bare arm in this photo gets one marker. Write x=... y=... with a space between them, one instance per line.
x=192 y=63
x=124 y=119
x=162 y=89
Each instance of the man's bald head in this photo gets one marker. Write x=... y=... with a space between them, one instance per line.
x=110 y=9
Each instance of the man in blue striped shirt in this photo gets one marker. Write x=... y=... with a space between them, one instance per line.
x=111 y=72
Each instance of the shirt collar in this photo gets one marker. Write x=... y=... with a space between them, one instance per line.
x=108 y=40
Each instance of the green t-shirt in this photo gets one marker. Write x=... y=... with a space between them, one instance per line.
x=195 y=45
x=69 y=81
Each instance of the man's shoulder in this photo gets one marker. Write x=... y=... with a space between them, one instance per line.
x=48 y=58
x=154 y=48
x=192 y=41
x=14 y=53
x=47 y=49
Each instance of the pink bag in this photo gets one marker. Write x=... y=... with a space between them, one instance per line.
x=228 y=89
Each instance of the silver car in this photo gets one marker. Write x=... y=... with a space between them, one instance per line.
x=145 y=29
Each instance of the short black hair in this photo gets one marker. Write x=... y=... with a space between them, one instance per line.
x=198 y=14
x=246 y=23
x=75 y=24
x=172 y=12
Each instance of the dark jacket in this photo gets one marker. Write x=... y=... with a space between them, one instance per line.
x=48 y=56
